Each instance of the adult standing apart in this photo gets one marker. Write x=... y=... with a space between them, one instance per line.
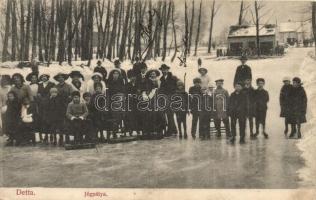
x=43 y=95
x=205 y=79
x=20 y=88
x=168 y=87
x=117 y=65
x=243 y=71
x=77 y=82
x=96 y=77
x=100 y=69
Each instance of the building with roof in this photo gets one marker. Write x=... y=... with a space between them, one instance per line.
x=242 y=39
x=293 y=32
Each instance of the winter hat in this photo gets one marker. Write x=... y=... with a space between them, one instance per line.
x=61 y=74
x=76 y=73
x=286 y=78
x=297 y=79
x=75 y=93
x=18 y=75
x=219 y=80
x=164 y=66
x=97 y=74
x=29 y=76
x=260 y=80
x=41 y=76
x=196 y=80
x=202 y=69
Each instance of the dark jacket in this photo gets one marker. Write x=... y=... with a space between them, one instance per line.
x=195 y=98
x=12 y=116
x=243 y=72
x=299 y=103
x=237 y=105
x=53 y=113
x=44 y=91
x=250 y=95
x=285 y=100
x=140 y=83
x=168 y=86
x=261 y=99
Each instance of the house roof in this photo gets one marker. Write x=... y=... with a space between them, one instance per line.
x=250 y=31
x=291 y=27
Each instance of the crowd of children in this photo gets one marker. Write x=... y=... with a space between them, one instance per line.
x=60 y=109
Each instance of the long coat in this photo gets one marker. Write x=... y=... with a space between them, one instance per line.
x=243 y=72
x=221 y=103
x=299 y=104
x=52 y=116
x=250 y=95
x=168 y=85
x=237 y=105
x=285 y=100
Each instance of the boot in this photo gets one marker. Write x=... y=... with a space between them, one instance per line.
x=232 y=139
x=266 y=136
x=293 y=130
x=299 y=135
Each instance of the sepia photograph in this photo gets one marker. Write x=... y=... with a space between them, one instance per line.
x=136 y=97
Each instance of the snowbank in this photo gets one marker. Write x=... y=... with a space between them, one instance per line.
x=308 y=144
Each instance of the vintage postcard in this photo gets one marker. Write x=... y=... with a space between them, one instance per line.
x=157 y=99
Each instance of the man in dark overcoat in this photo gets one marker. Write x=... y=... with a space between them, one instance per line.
x=243 y=71
x=168 y=87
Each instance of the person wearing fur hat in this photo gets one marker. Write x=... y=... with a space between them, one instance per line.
x=77 y=81
x=168 y=87
x=96 y=77
x=285 y=104
x=155 y=120
x=243 y=71
x=205 y=79
x=117 y=65
x=221 y=98
x=298 y=105
x=20 y=88
x=43 y=96
x=195 y=104
x=100 y=69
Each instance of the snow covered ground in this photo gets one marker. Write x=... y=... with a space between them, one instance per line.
x=273 y=163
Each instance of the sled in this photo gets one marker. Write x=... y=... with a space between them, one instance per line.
x=122 y=139
x=80 y=146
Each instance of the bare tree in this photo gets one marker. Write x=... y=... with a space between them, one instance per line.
x=314 y=22
x=191 y=28
x=14 y=31
x=198 y=29
x=124 y=34
x=165 y=28
x=22 y=31
x=186 y=33
x=28 y=30
x=174 y=33
x=7 y=31
x=213 y=13
x=113 y=33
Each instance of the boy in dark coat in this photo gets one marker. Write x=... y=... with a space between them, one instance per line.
x=261 y=99
x=298 y=105
x=249 y=93
x=181 y=112
x=243 y=71
x=238 y=109
x=195 y=104
x=285 y=103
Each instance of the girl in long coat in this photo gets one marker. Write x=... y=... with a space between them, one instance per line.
x=298 y=105
x=12 y=117
x=155 y=118
x=285 y=103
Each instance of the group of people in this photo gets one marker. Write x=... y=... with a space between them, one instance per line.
x=70 y=105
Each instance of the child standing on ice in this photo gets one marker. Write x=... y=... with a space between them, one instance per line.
x=261 y=99
x=181 y=114
x=285 y=104
x=298 y=105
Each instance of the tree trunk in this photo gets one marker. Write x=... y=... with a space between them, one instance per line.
x=113 y=33
x=34 y=31
x=28 y=30
x=7 y=31
x=191 y=28
x=257 y=29
x=211 y=28
x=62 y=9
x=174 y=34
x=130 y=32
x=158 y=27
x=22 y=32
x=186 y=33
x=241 y=11
x=314 y=23
x=70 y=32
x=198 y=29
x=165 y=31
x=124 y=35
x=52 y=40
x=39 y=29
x=14 y=31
